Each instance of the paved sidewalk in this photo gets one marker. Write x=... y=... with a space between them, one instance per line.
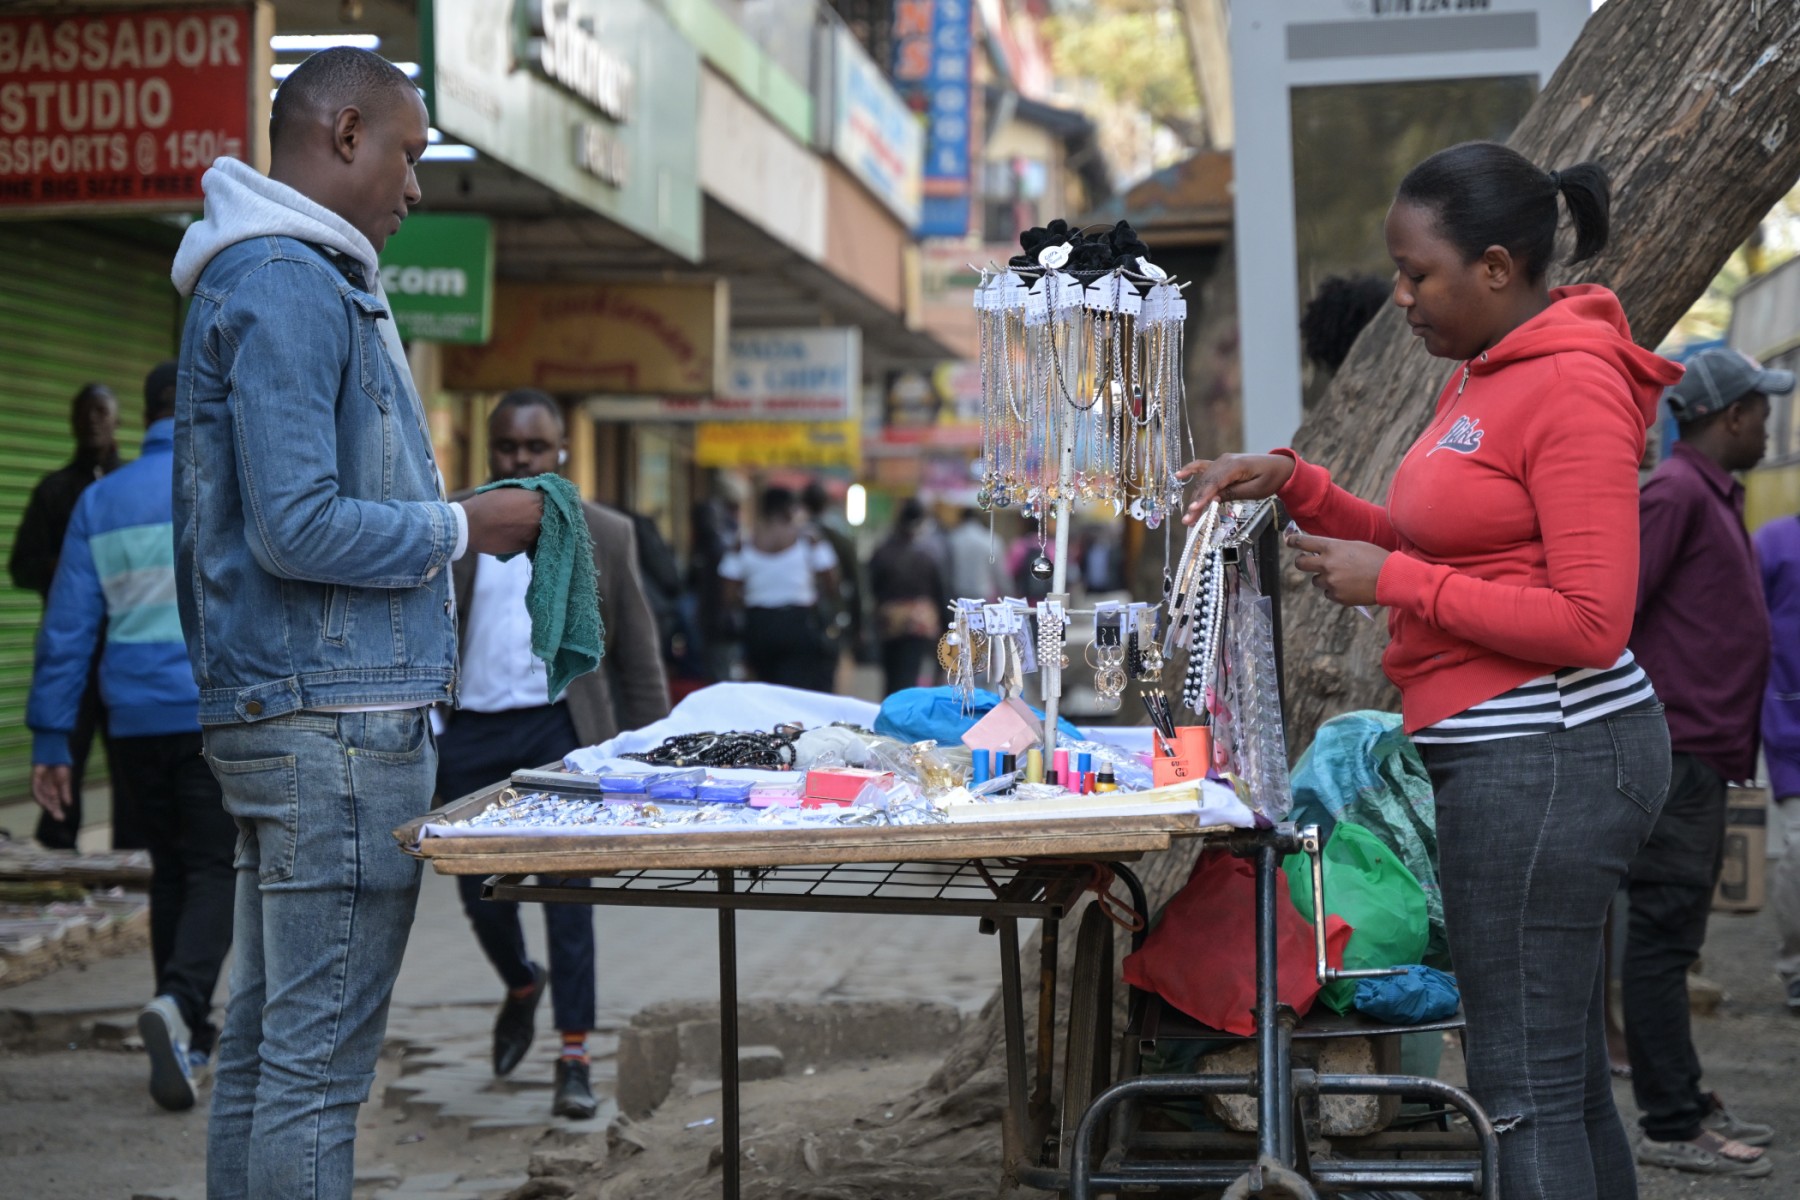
x=437 y=1108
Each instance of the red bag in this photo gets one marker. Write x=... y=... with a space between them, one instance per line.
x=1201 y=957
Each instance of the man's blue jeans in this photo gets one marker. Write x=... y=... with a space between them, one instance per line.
x=1535 y=835
x=324 y=905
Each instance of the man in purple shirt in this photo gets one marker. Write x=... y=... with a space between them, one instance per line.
x=1702 y=635
x=1778 y=549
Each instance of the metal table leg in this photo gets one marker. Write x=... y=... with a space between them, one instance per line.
x=1016 y=1120
x=1274 y=1075
x=728 y=1031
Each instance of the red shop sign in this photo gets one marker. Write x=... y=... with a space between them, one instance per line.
x=123 y=109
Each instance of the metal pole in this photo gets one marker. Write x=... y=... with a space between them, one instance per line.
x=1269 y=1089
x=728 y=1031
x=1046 y=1025
x=1015 y=1120
x=1059 y=570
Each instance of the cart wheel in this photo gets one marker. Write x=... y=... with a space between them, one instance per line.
x=1087 y=1067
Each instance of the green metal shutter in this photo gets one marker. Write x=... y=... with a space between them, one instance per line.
x=80 y=301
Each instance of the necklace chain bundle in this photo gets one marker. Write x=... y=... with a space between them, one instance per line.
x=1094 y=371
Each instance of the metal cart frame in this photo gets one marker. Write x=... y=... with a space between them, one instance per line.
x=1001 y=876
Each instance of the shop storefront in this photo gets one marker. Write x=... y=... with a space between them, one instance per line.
x=107 y=120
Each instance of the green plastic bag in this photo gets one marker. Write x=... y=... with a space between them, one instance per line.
x=1363 y=768
x=1370 y=888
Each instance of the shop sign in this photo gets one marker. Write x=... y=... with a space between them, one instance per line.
x=630 y=339
x=872 y=131
x=762 y=444
x=770 y=375
x=933 y=70
x=793 y=375
x=597 y=100
x=125 y=110
x=939 y=408
x=438 y=272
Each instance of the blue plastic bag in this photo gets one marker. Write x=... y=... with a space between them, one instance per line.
x=1422 y=994
x=936 y=714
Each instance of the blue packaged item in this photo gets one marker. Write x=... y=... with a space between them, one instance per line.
x=936 y=714
x=720 y=791
x=624 y=785
x=982 y=770
x=1419 y=995
x=674 y=787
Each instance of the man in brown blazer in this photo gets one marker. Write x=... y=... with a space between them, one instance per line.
x=507 y=720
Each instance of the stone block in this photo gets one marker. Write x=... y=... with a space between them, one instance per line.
x=760 y=1062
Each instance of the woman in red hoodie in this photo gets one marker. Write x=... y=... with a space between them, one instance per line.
x=1507 y=558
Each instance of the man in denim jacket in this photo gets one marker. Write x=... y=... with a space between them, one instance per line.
x=312 y=547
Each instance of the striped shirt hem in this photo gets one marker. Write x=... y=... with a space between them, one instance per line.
x=1564 y=699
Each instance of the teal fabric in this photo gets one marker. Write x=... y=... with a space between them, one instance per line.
x=564 y=596
x=1361 y=767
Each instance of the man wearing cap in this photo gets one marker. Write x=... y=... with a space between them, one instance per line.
x=115 y=588
x=1702 y=635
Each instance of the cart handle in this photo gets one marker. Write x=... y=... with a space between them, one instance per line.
x=1312 y=846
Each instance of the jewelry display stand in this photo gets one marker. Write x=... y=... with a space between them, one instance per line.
x=1083 y=399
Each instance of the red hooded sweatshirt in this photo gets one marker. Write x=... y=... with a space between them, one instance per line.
x=1514 y=516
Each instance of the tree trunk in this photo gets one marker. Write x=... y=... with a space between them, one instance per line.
x=1693 y=110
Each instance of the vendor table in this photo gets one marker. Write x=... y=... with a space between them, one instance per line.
x=1001 y=873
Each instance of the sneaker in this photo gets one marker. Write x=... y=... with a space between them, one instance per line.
x=517 y=1024
x=1702 y=1156
x=574 y=1094
x=1725 y=1125
x=165 y=1037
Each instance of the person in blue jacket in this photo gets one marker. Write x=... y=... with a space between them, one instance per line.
x=116 y=580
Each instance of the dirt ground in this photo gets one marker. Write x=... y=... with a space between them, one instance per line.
x=80 y=1125
x=77 y=1124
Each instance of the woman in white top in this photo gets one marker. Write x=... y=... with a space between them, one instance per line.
x=778 y=575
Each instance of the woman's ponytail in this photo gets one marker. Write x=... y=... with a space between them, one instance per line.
x=1587 y=190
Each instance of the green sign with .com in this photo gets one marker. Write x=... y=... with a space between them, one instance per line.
x=438 y=272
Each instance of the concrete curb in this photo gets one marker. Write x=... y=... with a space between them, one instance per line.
x=673 y=1043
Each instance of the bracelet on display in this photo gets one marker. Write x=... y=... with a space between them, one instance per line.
x=772 y=751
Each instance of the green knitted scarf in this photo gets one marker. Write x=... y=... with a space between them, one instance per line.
x=564 y=596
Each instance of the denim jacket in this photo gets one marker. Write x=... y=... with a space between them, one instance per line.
x=311 y=533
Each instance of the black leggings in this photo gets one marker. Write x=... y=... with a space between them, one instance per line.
x=785 y=646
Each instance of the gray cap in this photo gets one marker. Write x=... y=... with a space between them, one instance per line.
x=1717 y=379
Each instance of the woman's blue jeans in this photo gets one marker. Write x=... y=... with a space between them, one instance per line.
x=325 y=902
x=1535 y=835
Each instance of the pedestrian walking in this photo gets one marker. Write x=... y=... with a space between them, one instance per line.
x=718 y=623
x=777 y=575
x=507 y=719
x=313 y=543
x=114 y=591
x=976 y=572
x=1778 y=553
x=843 y=607
x=1506 y=556
x=910 y=599
x=94 y=419
x=1702 y=633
